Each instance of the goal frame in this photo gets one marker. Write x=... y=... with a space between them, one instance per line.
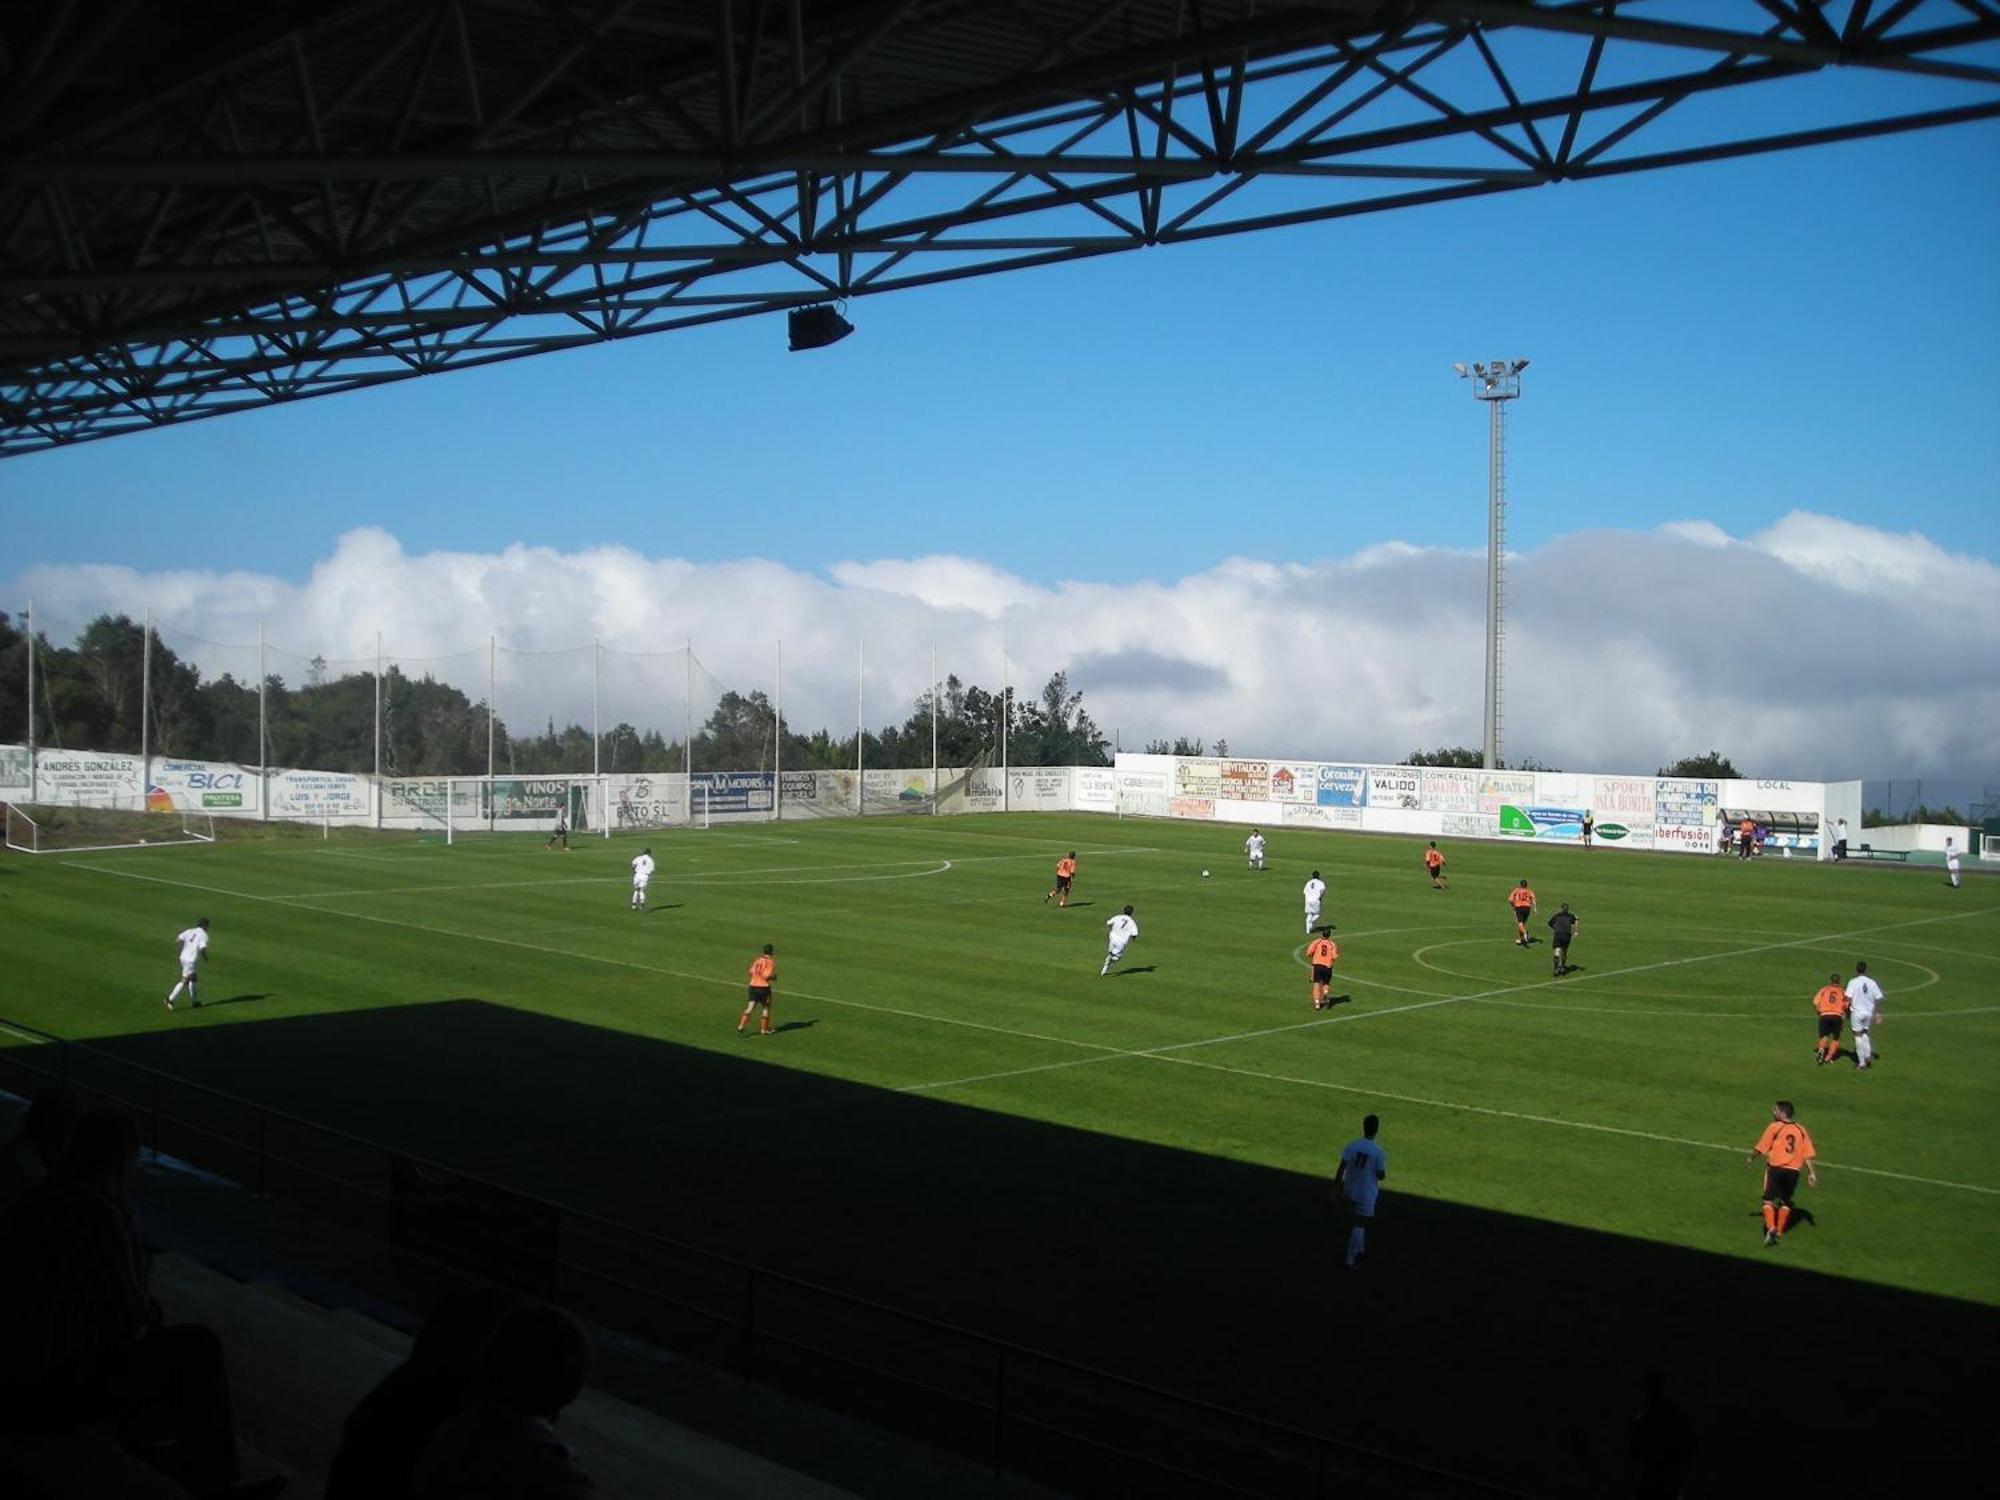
x=27 y=834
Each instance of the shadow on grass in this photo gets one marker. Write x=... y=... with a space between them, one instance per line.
x=235 y=1000
x=1141 y=969
x=1488 y=1343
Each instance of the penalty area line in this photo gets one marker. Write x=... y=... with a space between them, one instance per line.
x=294 y=903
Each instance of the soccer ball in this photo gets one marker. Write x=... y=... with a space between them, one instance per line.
x=1204 y=874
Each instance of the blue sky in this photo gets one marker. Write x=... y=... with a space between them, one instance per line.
x=1754 y=488
x=1727 y=342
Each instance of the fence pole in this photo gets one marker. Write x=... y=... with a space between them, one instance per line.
x=934 y=712
x=596 y=750
x=687 y=723
x=263 y=738
x=492 y=691
x=860 y=734
x=146 y=712
x=1006 y=715
x=378 y=729
x=34 y=777
x=778 y=742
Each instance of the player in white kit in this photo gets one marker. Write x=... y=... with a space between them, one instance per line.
x=1864 y=1014
x=1253 y=849
x=1121 y=932
x=193 y=943
x=1315 y=893
x=1951 y=862
x=1358 y=1179
x=642 y=876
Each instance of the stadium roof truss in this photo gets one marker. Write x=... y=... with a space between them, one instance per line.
x=214 y=205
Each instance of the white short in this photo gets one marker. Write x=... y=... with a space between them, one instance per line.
x=1362 y=1209
x=1312 y=913
x=640 y=882
x=1118 y=949
x=188 y=966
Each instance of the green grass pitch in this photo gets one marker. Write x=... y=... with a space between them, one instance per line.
x=959 y=1116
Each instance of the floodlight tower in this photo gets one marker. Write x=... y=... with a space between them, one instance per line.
x=1495 y=382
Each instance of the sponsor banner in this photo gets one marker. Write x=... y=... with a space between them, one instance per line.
x=1246 y=780
x=85 y=779
x=319 y=794
x=1293 y=781
x=1623 y=799
x=1628 y=835
x=1450 y=789
x=539 y=798
x=202 y=786
x=896 y=791
x=1498 y=787
x=1197 y=778
x=973 y=790
x=730 y=792
x=647 y=801
x=1038 y=789
x=1191 y=807
x=1536 y=822
x=1690 y=838
x=1341 y=786
x=1320 y=817
x=1095 y=789
x=1470 y=826
x=1685 y=804
x=13 y=769
x=423 y=797
x=1395 y=786
x=1142 y=791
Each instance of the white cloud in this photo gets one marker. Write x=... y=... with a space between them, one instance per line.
x=1819 y=648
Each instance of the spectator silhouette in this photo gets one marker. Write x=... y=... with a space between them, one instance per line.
x=395 y=1422
x=1662 y=1439
x=83 y=1334
x=503 y=1445
x=46 y=1126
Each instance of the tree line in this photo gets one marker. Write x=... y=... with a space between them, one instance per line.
x=88 y=696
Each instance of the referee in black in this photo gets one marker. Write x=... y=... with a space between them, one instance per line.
x=1561 y=926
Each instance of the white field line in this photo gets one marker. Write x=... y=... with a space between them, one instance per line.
x=1158 y=1054
x=703 y=877
x=1532 y=1119
x=294 y=903
x=23 y=1035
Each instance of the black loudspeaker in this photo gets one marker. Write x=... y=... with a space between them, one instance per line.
x=816 y=327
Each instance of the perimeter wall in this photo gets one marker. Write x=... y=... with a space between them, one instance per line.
x=1631 y=812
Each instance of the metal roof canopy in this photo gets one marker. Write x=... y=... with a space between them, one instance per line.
x=215 y=205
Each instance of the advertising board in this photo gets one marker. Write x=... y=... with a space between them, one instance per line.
x=204 y=786
x=1341 y=786
x=1395 y=786
x=730 y=792
x=1245 y=780
x=319 y=794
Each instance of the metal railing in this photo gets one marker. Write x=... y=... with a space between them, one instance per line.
x=1015 y=1408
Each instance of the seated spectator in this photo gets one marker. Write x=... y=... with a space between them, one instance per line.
x=390 y=1429
x=36 y=1147
x=82 y=1335
x=503 y=1445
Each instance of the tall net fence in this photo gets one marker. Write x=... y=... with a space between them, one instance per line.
x=124 y=709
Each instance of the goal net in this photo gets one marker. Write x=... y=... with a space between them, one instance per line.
x=43 y=828
x=456 y=807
